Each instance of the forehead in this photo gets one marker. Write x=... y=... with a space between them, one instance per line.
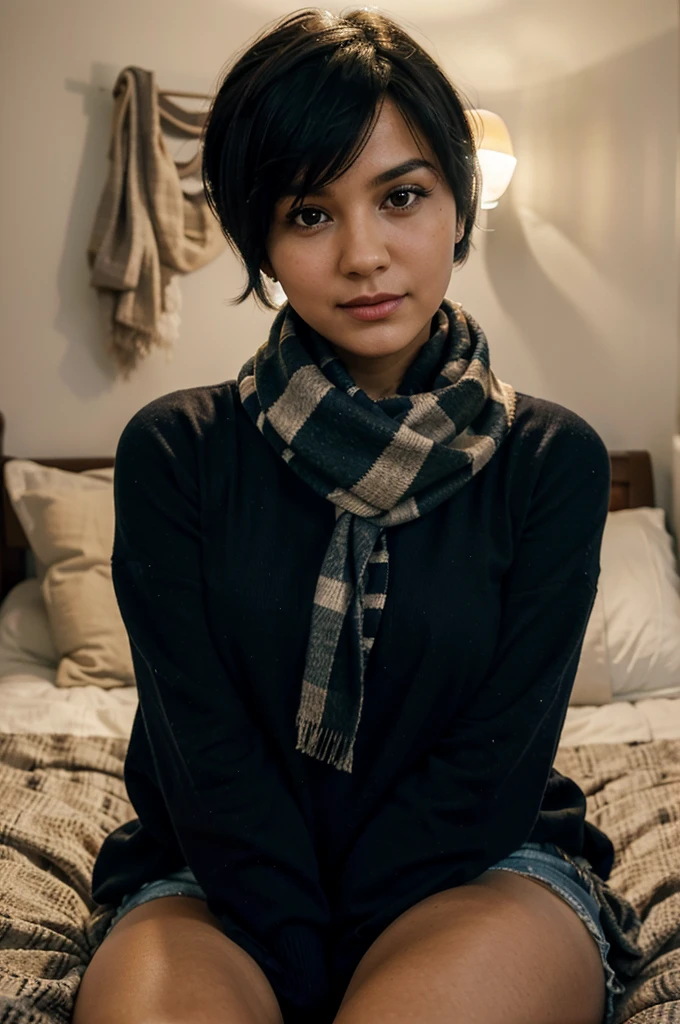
x=390 y=152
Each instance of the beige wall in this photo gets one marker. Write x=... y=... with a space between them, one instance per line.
x=575 y=285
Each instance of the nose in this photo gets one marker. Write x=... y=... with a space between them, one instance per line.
x=363 y=248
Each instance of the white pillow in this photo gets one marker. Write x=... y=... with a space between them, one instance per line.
x=24 y=626
x=593 y=684
x=635 y=621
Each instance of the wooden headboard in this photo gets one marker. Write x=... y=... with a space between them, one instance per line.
x=632 y=486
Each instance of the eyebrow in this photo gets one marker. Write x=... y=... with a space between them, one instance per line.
x=380 y=179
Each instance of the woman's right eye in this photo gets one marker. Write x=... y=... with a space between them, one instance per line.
x=306 y=210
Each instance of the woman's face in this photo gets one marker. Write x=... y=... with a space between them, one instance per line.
x=360 y=238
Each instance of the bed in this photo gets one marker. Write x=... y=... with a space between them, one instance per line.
x=67 y=702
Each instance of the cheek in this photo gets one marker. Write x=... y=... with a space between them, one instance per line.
x=302 y=261
x=436 y=233
x=299 y=271
x=430 y=256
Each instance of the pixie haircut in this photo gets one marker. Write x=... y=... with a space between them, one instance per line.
x=296 y=109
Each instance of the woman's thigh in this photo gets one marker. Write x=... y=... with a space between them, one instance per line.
x=169 y=961
x=503 y=949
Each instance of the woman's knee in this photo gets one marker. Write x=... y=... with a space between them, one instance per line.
x=502 y=949
x=168 y=961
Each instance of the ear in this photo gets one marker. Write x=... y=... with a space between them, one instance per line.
x=460 y=231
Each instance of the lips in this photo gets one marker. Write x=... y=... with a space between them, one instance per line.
x=375 y=310
x=371 y=300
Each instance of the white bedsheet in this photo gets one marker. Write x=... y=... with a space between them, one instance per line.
x=32 y=703
x=29 y=704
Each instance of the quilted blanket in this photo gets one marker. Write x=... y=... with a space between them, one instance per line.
x=60 y=795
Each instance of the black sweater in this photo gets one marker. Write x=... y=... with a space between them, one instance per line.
x=218 y=546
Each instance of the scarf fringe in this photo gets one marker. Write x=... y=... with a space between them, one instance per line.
x=325 y=744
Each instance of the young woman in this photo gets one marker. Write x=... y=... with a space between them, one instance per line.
x=356 y=582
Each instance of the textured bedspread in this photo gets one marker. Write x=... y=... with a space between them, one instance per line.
x=633 y=792
x=61 y=795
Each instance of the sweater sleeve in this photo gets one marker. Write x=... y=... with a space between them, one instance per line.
x=475 y=796
x=235 y=819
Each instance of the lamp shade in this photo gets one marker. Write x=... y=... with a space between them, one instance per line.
x=494 y=152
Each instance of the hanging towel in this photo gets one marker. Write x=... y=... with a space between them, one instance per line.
x=147 y=229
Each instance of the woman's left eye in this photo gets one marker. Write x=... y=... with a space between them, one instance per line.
x=416 y=191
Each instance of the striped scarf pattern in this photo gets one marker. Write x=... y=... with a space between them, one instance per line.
x=381 y=463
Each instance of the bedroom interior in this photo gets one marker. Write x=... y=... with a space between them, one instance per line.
x=599 y=261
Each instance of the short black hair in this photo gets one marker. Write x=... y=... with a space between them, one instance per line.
x=299 y=104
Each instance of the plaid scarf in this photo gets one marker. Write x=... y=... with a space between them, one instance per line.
x=381 y=463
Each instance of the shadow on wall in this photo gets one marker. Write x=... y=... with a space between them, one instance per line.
x=546 y=316
x=583 y=255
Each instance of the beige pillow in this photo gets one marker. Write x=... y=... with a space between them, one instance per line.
x=69 y=520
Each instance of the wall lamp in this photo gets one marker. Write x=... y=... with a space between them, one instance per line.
x=494 y=152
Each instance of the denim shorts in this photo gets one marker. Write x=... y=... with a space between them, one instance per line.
x=567 y=876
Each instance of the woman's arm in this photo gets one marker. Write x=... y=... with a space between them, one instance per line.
x=476 y=795
x=236 y=822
